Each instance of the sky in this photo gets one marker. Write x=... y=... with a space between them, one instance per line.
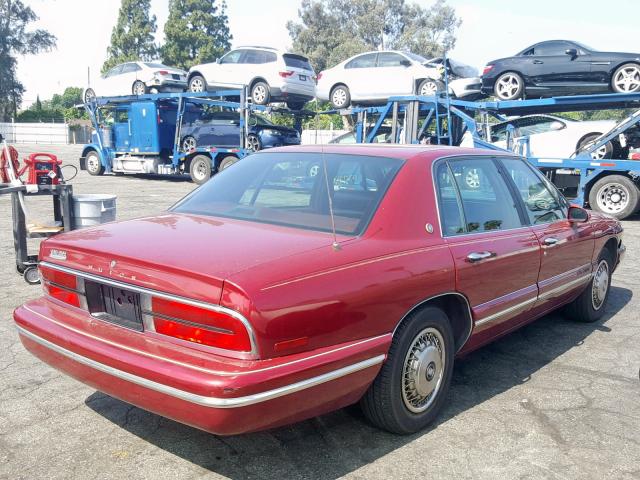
x=490 y=29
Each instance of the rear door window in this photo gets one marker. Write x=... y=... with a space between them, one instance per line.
x=363 y=61
x=390 y=59
x=482 y=198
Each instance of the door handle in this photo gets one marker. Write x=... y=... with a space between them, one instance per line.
x=538 y=62
x=550 y=241
x=477 y=256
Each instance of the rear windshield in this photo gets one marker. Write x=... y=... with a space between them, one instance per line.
x=297 y=61
x=155 y=65
x=290 y=189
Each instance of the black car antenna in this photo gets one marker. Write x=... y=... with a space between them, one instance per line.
x=336 y=246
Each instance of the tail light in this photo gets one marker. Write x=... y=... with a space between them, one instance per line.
x=319 y=76
x=285 y=74
x=163 y=72
x=62 y=286
x=199 y=325
x=487 y=69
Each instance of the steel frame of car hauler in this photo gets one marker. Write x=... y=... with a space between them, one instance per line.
x=143 y=150
x=618 y=180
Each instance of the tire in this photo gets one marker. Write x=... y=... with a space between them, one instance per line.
x=197 y=84
x=626 y=78
x=31 y=275
x=296 y=105
x=260 y=94
x=200 y=169
x=606 y=151
x=253 y=143
x=509 y=86
x=93 y=163
x=188 y=143
x=138 y=88
x=615 y=195
x=430 y=87
x=89 y=95
x=340 y=97
x=226 y=162
x=590 y=305
x=397 y=405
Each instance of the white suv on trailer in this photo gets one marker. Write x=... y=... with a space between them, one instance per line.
x=271 y=75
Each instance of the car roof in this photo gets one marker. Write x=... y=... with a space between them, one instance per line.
x=400 y=151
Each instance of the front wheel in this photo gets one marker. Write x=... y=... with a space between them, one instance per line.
x=430 y=87
x=260 y=93
x=615 y=195
x=89 y=95
x=93 y=164
x=138 y=88
x=189 y=143
x=200 y=169
x=197 y=84
x=253 y=143
x=509 y=86
x=412 y=384
x=590 y=305
x=605 y=151
x=626 y=78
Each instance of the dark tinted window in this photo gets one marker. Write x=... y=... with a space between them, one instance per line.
x=552 y=48
x=363 y=61
x=389 y=59
x=542 y=204
x=291 y=189
x=297 y=61
x=253 y=57
x=482 y=194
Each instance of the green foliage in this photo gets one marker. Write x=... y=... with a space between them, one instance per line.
x=17 y=39
x=196 y=31
x=60 y=108
x=331 y=31
x=132 y=37
x=597 y=115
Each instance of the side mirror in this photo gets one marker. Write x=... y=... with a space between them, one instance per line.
x=571 y=51
x=577 y=214
x=405 y=63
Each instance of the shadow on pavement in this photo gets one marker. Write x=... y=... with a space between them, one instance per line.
x=335 y=444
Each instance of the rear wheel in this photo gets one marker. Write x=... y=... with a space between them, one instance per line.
x=200 y=169
x=138 y=88
x=605 y=151
x=89 y=95
x=590 y=305
x=260 y=93
x=614 y=195
x=509 y=86
x=93 y=163
x=412 y=384
x=226 y=162
x=296 y=105
x=340 y=97
x=626 y=78
x=197 y=84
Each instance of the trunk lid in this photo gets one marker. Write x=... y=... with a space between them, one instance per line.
x=182 y=254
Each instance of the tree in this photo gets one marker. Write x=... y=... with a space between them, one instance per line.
x=16 y=39
x=196 y=31
x=132 y=37
x=60 y=108
x=332 y=30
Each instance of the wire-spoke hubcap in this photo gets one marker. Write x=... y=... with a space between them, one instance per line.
x=628 y=79
x=429 y=89
x=259 y=94
x=612 y=198
x=339 y=97
x=600 y=285
x=508 y=86
x=196 y=85
x=423 y=370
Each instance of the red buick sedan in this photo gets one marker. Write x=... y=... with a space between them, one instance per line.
x=303 y=280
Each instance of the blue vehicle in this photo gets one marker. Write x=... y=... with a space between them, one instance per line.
x=202 y=127
x=141 y=134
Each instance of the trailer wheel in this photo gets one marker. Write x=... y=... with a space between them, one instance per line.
x=200 y=169
x=615 y=195
x=226 y=162
x=93 y=163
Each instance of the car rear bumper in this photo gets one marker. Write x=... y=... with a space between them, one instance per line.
x=220 y=395
x=168 y=85
x=293 y=92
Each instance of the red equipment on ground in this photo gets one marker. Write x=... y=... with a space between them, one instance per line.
x=43 y=168
x=4 y=164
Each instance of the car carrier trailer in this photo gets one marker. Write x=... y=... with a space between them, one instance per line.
x=611 y=186
x=141 y=134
